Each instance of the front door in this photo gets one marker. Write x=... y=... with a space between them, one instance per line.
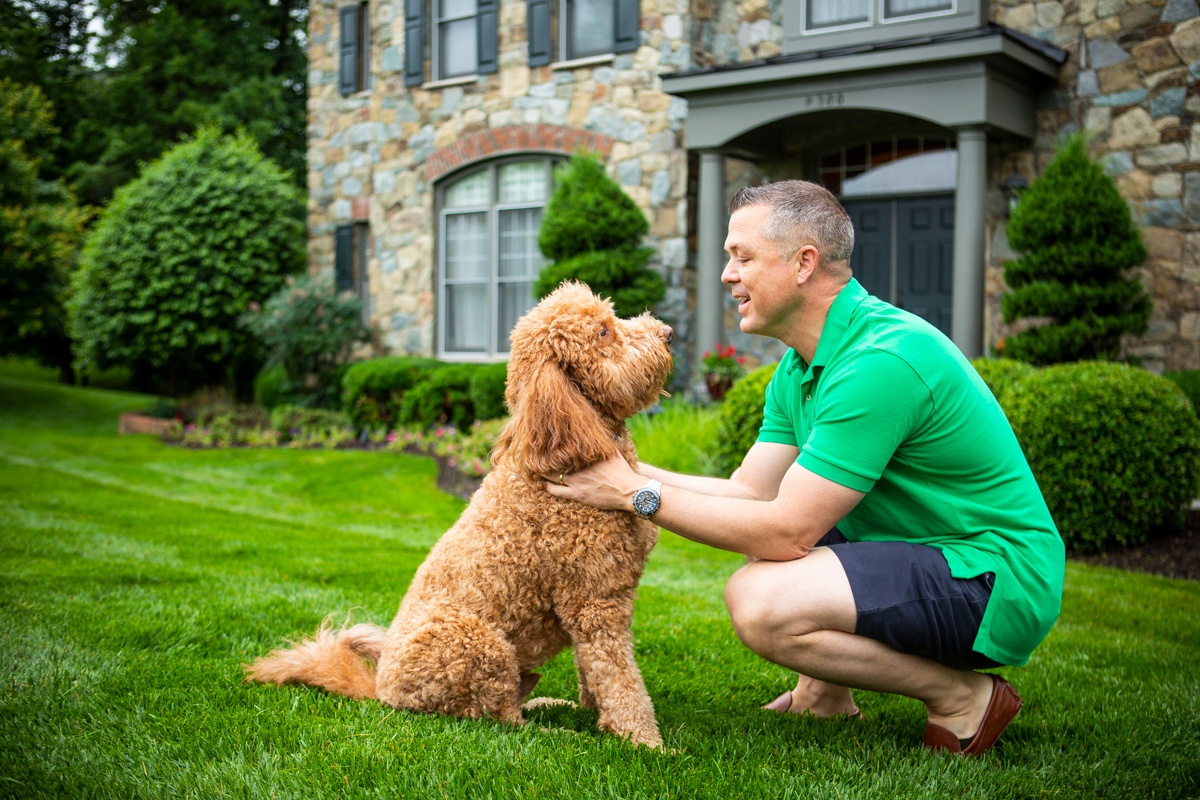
x=904 y=253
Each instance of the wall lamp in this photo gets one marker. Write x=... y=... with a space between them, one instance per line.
x=1012 y=187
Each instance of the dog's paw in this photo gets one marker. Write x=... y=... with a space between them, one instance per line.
x=544 y=702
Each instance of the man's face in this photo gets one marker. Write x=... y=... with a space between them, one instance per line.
x=760 y=279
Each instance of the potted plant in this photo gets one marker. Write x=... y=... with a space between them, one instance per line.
x=721 y=367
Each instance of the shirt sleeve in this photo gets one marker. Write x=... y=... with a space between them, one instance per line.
x=864 y=412
x=777 y=426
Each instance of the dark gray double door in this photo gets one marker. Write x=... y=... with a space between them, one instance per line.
x=904 y=253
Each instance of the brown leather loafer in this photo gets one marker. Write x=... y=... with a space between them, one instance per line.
x=1003 y=706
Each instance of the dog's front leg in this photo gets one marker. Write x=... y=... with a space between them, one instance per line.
x=608 y=673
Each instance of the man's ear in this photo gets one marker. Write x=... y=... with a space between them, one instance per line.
x=805 y=263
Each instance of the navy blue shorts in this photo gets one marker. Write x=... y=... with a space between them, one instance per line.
x=907 y=599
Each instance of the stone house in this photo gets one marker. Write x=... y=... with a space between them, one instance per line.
x=434 y=127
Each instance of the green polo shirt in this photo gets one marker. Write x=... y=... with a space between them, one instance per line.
x=890 y=407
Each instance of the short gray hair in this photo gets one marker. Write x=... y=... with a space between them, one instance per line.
x=802 y=212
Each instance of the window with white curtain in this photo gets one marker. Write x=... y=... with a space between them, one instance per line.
x=588 y=28
x=489 y=223
x=836 y=13
x=893 y=9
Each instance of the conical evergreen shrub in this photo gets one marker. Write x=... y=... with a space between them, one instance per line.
x=1078 y=239
x=593 y=232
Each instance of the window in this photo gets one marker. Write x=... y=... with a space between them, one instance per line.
x=488 y=254
x=464 y=37
x=893 y=165
x=354 y=61
x=584 y=28
x=827 y=15
x=351 y=251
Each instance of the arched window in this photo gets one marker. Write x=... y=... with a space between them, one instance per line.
x=892 y=165
x=488 y=254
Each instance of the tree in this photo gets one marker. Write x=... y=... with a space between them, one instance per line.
x=40 y=231
x=593 y=232
x=1078 y=239
x=179 y=254
x=130 y=78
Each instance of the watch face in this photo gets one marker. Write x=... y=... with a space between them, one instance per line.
x=645 y=502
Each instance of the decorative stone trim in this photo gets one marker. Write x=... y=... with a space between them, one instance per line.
x=514 y=138
x=141 y=423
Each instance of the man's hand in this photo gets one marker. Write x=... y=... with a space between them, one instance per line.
x=608 y=484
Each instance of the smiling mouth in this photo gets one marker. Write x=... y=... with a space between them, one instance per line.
x=743 y=302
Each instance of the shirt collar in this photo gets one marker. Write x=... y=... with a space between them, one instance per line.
x=837 y=322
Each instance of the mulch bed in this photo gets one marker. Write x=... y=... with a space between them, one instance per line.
x=1172 y=555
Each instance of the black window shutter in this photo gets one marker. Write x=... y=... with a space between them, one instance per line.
x=343 y=258
x=626 y=26
x=488 y=36
x=537 y=27
x=348 y=55
x=414 y=43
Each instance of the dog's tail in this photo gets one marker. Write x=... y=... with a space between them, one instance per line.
x=340 y=661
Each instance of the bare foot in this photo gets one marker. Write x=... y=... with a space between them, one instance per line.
x=820 y=699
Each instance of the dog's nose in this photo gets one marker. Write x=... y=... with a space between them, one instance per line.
x=667 y=333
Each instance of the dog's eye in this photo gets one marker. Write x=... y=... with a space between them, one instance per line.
x=603 y=332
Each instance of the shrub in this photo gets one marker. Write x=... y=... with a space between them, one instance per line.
x=372 y=390
x=487 y=391
x=442 y=397
x=271 y=386
x=178 y=255
x=1001 y=374
x=291 y=421
x=741 y=417
x=593 y=233
x=1078 y=238
x=310 y=329
x=1115 y=449
x=1189 y=381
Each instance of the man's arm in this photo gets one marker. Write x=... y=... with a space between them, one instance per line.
x=758 y=477
x=778 y=523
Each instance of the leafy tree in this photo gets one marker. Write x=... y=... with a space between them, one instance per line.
x=1078 y=239
x=593 y=232
x=179 y=254
x=149 y=73
x=40 y=232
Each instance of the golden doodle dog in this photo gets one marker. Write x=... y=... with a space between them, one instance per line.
x=522 y=575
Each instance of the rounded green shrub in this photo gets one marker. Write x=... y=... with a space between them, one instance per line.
x=1189 y=381
x=441 y=397
x=1115 y=449
x=741 y=417
x=271 y=387
x=178 y=255
x=372 y=390
x=487 y=391
x=1001 y=374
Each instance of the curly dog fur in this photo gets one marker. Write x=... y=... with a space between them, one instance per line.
x=522 y=575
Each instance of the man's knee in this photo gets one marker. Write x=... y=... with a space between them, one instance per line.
x=756 y=618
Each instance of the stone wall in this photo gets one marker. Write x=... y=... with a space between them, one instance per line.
x=376 y=156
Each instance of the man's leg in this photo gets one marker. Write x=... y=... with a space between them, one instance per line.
x=801 y=615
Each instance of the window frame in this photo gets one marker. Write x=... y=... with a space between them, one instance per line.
x=351 y=259
x=495 y=349
x=878 y=18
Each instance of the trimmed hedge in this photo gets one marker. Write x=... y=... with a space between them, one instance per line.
x=1001 y=374
x=741 y=417
x=441 y=397
x=1189 y=381
x=1115 y=449
x=487 y=391
x=373 y=390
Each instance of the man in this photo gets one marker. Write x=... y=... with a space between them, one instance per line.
x=898 y=540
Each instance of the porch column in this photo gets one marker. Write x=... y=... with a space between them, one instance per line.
x=712 y=221
x=967 y=297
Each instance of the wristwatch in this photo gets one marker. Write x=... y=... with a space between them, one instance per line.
x=647 y=499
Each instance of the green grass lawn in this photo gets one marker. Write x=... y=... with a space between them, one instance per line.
x=136 y=578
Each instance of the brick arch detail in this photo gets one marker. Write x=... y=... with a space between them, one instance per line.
x=514 y=138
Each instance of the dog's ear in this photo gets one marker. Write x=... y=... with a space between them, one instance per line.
x=553 y=428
